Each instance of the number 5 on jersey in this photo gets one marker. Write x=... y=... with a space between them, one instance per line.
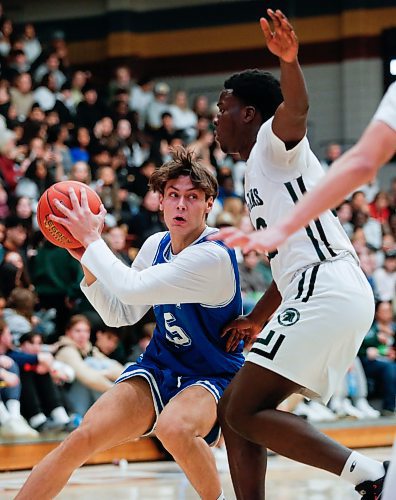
x=175 y=333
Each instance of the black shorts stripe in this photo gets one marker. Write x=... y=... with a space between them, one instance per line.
x=317 y=222
x=301 y=285
x=314 y=241
x=271 y=354
x=311 y=287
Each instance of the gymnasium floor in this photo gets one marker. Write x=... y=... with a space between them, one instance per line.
x=287 y=480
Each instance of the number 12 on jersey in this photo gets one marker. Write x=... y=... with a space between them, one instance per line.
x=261 y=224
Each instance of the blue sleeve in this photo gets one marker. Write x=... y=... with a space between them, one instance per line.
x=22 y=358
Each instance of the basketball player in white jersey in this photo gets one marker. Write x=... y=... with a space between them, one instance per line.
x=357 y=166
x=174 y=387
x=321 y=300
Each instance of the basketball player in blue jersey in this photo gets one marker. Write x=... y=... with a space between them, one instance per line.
x=310 y=323
x=174 y=387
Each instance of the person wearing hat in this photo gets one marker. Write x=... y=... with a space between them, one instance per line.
x=158 y=106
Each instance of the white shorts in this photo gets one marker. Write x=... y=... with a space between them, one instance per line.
x=316 y=332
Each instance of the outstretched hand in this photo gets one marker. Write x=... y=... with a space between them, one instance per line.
x=282 y=42
x=231 y=236
x=263 y=240
x=81 y=222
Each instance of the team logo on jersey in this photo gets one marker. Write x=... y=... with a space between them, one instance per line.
x=288 y=317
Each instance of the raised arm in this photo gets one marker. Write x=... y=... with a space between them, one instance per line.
x=354 y=168
x=290 y=119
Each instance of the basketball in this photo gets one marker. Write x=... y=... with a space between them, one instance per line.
x=54 y=232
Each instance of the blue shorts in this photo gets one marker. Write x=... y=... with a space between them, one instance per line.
x=165 y=385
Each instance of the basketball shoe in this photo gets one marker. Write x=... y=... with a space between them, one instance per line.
x=372 y=490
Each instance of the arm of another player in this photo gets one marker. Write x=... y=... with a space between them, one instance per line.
x=248 y=327
x=354 y=168
x=290 y=120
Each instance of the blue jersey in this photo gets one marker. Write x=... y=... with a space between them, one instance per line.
x=187 y=338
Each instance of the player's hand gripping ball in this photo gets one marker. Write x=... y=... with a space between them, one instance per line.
x=54 y=232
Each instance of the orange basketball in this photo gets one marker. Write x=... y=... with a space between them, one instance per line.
x=54 y=232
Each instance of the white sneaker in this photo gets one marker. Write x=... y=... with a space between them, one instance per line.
x=325 y=413
x=16 y=427
x=363 y=405
x=305 y=410
x=344 y=408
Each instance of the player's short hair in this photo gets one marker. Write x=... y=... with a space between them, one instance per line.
x=257 y=88
x=184 y=163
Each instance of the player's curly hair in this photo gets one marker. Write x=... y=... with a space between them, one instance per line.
x=184 y=163
x=257 y=88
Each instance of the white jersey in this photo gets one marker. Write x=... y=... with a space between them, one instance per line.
x=200 y=274
x=386 y=111
x=276 y=178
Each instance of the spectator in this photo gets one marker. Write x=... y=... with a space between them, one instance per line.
x=333 y=151
x=19 y=314
x=31 y=44
x=9 y=169
x=50 y=67
x=22 y=96
x=37 y=179
x=58 y=135
x=116 y=239
x=12 y=423
x=157 y=106
x=344 y=214
x=201 y=107
x=4 y=206
x=89 y=110
x=379 y=208
x=14 y=273
x=378 y=356
x=41 y=402
x=107 y=188
x=371 y=228
x=122 y=80
x=80 y=149
x=148 y=220
x=185 y=120
x=108 y=341
x=78 y=82
x=253 y=285
x=44 y=95
x=141 y=97
x=17 y=64
x=95 y=372
x=64 y=105
x=6 y=30
x=15 y=237
x=81 y=172
x=350 y=399
x=202 y=149
x=385 y=277
x=56 y=277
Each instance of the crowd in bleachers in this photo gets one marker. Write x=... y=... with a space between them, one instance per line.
x=56 y=356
